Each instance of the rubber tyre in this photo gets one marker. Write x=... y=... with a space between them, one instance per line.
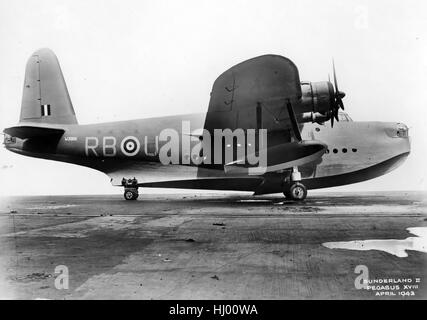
x=130 y=195
x=297 y=192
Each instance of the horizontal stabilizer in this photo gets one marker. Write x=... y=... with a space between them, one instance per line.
x=25 y=132
x=280 y=157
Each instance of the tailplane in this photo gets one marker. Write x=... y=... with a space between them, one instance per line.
x=45 y=97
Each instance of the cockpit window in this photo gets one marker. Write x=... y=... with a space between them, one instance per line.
x=344 y=117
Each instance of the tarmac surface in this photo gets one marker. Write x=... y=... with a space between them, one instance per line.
x=216 y=246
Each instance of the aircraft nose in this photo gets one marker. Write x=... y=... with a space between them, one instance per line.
x=399 y=134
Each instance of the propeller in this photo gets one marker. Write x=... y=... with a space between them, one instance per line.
x=338 y=96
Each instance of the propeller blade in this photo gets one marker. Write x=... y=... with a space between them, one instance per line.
x=335 y=77
x=340 y=104
x=336 y=115
x=338 y=95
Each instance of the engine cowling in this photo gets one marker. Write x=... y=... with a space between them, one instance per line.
x=317 y=97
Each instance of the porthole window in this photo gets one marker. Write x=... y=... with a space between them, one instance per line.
x=317 y=129
x=344 y=150
x=335 y=151
x=354 y=150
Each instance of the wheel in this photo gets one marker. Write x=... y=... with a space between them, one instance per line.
x=131 y=195
x=297 y=192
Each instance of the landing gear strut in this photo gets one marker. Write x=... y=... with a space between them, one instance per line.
x=131 y=188
x=293 y=189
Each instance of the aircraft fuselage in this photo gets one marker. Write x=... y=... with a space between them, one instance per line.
x=264 y=131
x=356 y=151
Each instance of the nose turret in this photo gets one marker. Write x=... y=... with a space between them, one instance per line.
x=398 y=134
x=398 y=130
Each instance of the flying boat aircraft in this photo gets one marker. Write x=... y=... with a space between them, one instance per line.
x=264 y=131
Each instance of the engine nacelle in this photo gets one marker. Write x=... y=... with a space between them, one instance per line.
x=317 y=97
x=312 y=117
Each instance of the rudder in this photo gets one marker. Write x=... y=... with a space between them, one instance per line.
x=45 y=97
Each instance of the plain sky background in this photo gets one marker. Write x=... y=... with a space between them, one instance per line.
x=134 y=59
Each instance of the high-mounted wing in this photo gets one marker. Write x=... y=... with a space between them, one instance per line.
x=253 y=94
x=261 y=93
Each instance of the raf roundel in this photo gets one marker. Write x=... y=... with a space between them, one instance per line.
x=130 y=146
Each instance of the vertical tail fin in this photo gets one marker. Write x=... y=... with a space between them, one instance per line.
x=45 y=97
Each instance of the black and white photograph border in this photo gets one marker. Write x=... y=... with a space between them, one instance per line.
x=205 y=150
